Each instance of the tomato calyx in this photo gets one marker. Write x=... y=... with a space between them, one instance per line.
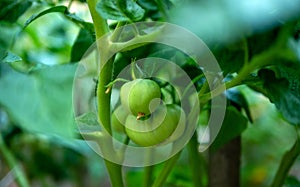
x=140 y=115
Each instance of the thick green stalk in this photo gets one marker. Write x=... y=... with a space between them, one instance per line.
x=103 y=98
x=12 y=163
x=115 y=174
x=148 y=176
x=169 y=164
x=100 y=24
x=195 y=161
x=105 y=75
x=286 y=163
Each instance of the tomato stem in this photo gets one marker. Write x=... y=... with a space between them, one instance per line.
x=132 y=69
x=116 y=80
x=169 y=164
x=118 y=30
x=264 y=59
x=195 y=161
x=11 y=161
x=137 y=41
x=148 y=176
x=103 y=99
x=286 y=163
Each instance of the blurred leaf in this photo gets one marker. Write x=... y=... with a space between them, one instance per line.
x=88 y=119
x=3 y=54
x=282 y=87
x=261 y=41
x=180 y=176
x=88 y=122
x=64 y=10
x=8 y=32
x=226 y=21
x=11 y=10
x=148 y=5
x=134 y=178
x=233 y=125
x=9 y=57
x=42 y=101
x=83 y=41
x=291 y=181
x=230 y=57
x=120 y=10
x=239 y=100
x=156 y=10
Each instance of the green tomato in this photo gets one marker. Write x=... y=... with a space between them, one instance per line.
x=180 y=127
x=118 y=119
x=156 y=129
x=140 y=96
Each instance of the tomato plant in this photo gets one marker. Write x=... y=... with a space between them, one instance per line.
x=188 y=93
x=155 y=129
x=118 y=119
x=140 y=96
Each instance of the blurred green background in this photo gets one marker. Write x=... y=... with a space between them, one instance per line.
x=37 y=123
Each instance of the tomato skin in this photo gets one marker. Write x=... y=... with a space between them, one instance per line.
x=137 y=96
x=179 y=131
x=124 y=94
x=155 y=130
x=118 y=119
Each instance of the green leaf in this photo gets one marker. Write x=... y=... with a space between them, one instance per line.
x=88 y=122
x=83 y=41
x=282 y=87
x=11 y=10
x=64 y=10
x=239 y=100
x=230 y=58
x=120 y=10
x=259 y=42
x=9 y=57
x=233 y=125
x=41 y=101
x=156 y=10
x=3 y=54
x=291 y=181
x=14 y=61
x=148 y=5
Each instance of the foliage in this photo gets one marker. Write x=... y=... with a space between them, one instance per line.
x=254 y=49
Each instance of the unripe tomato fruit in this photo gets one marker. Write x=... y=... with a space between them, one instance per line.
x=154 y=130
x=118 y=119
x=180 y=126
x=140 y=96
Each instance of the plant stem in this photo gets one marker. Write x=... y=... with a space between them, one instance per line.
x=169 y=164
x=100 y=24
x=115 y=174
x=195 y=161
x=148 y=176
x=12 y=163
x=137 y=41
x=264 y=59
x=132 y=69
x=286 y=163
x=103 y=99
x=115 y=35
